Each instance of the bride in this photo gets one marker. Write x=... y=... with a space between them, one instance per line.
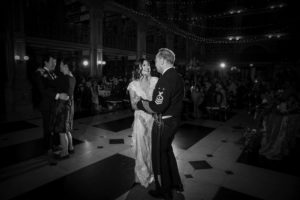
x=142 y=86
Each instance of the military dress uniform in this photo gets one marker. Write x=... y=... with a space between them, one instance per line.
x=167 y=104
x=47 y=90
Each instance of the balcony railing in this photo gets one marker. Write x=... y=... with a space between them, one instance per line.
x=125 y=42
x=67 y=32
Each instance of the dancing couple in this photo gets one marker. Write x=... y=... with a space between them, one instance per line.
x=157 y=104
x=55 y=95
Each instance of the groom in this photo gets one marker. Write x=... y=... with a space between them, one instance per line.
x=167 y=104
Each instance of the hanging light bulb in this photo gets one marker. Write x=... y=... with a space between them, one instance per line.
x=85 y=63
x=272 y=7
x=17 y=57
x=26 y=58
x=222 y=65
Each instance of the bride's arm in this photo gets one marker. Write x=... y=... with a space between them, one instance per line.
x=133 y=99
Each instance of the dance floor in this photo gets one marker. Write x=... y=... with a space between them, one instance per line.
x=116 y=125
x=186 y=136
x=21 y=152
x=9 y=127
x=225 y=193
x=221 y=118
x=106 y=179
x=212 y=164
x=189 y=134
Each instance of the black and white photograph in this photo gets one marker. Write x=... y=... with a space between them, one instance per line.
x=150 y=99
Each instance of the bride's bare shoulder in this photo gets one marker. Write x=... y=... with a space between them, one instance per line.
x=133 y=84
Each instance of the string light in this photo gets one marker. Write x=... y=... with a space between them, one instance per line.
x=183 y=2
x=230 y=28
x=85 y=63
x=26 y=58
x=176 y=3
x=17 y=57
x=233 y=12
x=281 y=5
x=191 y=36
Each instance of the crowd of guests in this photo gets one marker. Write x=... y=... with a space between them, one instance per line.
x=208 y=96
x=92 y=95
x=275 y=108
x=273 y=104
x=276 y=113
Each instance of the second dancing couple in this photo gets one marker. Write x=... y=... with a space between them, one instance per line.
x=157 y=104
x=55 y=101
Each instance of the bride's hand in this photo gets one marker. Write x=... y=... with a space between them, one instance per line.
x=137 y=99
x=134 y=102
x=134 y=107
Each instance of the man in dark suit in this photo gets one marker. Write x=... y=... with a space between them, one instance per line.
x=45 y=80
x=167 y=104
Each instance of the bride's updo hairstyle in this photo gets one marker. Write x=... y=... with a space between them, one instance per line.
x=137 y=71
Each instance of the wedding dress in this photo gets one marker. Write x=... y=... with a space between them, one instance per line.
x=141 y=135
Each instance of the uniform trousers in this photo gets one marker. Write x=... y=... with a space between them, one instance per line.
x=163 y=159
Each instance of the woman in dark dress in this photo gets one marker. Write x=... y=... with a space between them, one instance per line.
x=64 y=111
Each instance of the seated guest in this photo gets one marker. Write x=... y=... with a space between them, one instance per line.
x=221 y=100
x=282 y=125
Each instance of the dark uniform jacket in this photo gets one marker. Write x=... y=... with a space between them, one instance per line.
x=167 y=96
x=47 y=88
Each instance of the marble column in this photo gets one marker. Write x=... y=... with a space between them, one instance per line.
x=202 y=46
x=189 y=46
x=170 y=36
x=141 y=39
x=18 y=89
x=237 y=47
x=96 y=42
x=141 y=32
x=170 y=41
x=189 y=43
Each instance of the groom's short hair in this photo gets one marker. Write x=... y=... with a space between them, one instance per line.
x=167 y=55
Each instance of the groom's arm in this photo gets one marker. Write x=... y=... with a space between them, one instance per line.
x=160 y=101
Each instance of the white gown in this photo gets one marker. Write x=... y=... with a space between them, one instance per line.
x=141 y=135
